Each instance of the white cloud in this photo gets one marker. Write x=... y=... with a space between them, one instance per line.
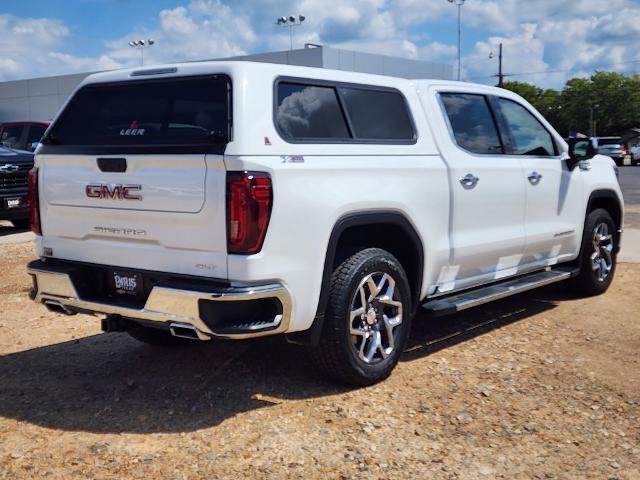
x=538 y=35
x=25 y=43
x=438 y=52
x=563 y=42
x=522 y=52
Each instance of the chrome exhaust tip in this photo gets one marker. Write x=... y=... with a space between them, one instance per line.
x=186 y=330
x=57 y=307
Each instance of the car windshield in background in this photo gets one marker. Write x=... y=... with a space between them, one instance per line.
x=185 y=111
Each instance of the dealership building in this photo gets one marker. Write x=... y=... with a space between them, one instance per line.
x=38 y=99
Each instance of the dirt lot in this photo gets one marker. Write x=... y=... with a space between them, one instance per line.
x=539 y=386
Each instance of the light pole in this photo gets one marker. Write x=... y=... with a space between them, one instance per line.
x=591 y=129
x=500 y=74
x=141 y=45
x=459 y=4
x=290 y=21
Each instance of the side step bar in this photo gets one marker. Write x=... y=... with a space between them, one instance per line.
x=496 y=291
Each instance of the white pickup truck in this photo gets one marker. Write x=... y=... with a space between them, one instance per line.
x=240 y=199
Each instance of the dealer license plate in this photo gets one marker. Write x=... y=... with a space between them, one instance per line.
x=125 y=283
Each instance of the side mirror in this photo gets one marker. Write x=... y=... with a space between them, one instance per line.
x=33 y=146
x=580 y=149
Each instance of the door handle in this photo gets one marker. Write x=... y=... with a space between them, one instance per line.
x=534 y=178
x=469 y=181
x=118 y=165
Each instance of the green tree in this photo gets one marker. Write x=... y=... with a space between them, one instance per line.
x=547 y=102
x=618 y=97
x=576 y=99
x=614 y=97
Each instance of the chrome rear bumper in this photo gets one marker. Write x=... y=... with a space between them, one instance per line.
x=165 y=305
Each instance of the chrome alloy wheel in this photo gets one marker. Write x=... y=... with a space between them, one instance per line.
x=376 y=312
x=601 y=258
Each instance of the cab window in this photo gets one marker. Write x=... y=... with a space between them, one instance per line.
x=528 y=136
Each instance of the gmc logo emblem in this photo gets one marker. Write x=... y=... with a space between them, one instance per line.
x=113 y=192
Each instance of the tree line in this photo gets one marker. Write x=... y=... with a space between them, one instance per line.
x=611 y=98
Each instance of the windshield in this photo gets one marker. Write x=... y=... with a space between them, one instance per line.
x=177 y=111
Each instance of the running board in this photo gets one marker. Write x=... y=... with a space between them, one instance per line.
x=496 y=291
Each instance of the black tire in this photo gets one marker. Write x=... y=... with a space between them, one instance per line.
x=588 y=281
x=21 y=224
x=338 y=354
x=157 y=337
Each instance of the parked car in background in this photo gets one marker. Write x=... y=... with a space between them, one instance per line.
x=14 y=171
x=612 y=147
x=634 y=151
x=22 y=135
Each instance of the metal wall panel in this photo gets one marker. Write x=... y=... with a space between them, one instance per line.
x=41 y=98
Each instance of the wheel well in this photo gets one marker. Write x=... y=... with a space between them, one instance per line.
x=389 y=230
x=388 y=236
x=610 y=203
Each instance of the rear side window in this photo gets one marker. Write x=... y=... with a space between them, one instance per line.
x=377 y=115
x=472 y=123
x=185 y=111
x=528 y=136
x=326 y=113
x=310 y=112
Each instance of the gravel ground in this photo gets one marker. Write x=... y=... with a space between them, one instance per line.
x=540 y=386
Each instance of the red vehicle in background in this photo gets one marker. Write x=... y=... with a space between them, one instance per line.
x=22 y=135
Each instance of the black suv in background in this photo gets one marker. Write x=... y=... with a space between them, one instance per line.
x=14 y=171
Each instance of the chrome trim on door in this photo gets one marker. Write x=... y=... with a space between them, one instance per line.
x=534 y=178
x=469 y=181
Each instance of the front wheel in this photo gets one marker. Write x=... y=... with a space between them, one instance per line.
x=597 y=259
x=367 y=321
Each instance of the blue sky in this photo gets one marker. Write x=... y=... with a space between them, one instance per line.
x=50 y=37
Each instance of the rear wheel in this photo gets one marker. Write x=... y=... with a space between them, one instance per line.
x=597 y=259
x=156 y=337
x=367 y=321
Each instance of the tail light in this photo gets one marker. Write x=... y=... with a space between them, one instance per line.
x=249 y=199
x=34 y=203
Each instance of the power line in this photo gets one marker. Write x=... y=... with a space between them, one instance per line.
x=557 y=71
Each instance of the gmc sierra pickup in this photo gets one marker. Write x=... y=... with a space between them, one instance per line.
x=240 y=199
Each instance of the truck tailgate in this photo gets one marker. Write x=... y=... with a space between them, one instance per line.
x=176 y=221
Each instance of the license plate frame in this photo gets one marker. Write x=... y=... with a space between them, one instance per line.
x=13 y=202
x=125 y=284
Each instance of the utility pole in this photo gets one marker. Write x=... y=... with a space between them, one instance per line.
x=500 y=74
